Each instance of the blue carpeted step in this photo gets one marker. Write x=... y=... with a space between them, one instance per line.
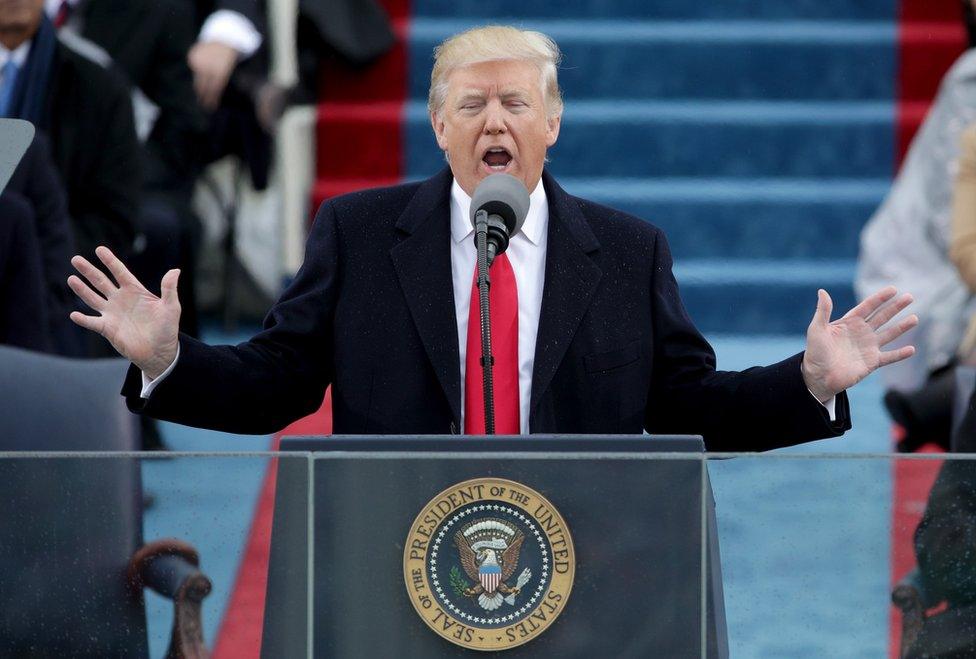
x=752 y=218
x=647 y=139
x=761 y=297
x=662 y=9
x=709 y=60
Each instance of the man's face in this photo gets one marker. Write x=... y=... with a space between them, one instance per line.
x=19 y=20
x=494 y=121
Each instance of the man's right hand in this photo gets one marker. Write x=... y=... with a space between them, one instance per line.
x=212 y=64
x=143 y=328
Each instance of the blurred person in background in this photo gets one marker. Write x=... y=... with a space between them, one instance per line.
x=24 y=314
x=230 y=63
x=85 y=111
x=84 y=165
x=36 y=186
x=906 y=244
x=148 y=41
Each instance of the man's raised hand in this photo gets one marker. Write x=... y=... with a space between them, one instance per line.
x=142 y=327
x=841 y=353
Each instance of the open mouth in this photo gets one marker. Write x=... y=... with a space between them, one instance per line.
x=497 y=159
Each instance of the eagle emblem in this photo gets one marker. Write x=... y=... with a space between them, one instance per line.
x=489 y=552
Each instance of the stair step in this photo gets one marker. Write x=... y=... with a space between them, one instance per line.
x=761 y=297
x=663 y=9
x=627 y=139
x=701 y=59
x=761 y=218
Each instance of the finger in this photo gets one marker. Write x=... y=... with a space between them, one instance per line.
x=872 y=303
x=824 y=308
x=87 y=295
x=198 y=86
x=889 y=311
x=891 y=333
x=92 y=323
x=208 y=98
x=116 y=267
x=168 y=287
x=892 y=356
x=97 y=278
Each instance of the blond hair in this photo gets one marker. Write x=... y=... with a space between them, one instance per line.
x=493 y=43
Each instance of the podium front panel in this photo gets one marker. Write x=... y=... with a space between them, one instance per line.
x=635 y=518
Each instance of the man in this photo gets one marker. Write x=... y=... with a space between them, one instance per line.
x=86 y=111
x=381 y=308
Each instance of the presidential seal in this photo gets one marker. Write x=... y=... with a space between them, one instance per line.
x=489 y=564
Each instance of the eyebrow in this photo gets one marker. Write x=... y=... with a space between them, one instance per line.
x=476 y=95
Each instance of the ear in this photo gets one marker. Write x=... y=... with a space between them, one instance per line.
x=438 y=125
x=552 y=129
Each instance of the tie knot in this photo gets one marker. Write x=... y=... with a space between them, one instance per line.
x=64 y=11
x=9 y=68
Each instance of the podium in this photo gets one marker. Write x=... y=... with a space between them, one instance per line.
x=369 y=534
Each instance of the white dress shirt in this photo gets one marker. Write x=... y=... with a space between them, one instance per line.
x=231 y=29
x=527 y=254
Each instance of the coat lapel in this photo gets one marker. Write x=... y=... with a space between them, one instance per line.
x=422 y=259
x=571 y=280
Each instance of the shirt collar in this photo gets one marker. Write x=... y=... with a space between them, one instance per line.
x=52 y=7
x=18 y=55
x=535 y=220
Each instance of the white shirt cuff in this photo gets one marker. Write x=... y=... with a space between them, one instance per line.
x=231 y=29
x=831 y=406
x=148 y=385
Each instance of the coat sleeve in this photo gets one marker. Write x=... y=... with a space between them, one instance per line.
x=278 y=376
x=753 y=410
x=962 y=247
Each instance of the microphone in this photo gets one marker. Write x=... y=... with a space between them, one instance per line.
x=505 y=201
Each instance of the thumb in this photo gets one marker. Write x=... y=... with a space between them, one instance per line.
x=824 y=307
x=168 y=287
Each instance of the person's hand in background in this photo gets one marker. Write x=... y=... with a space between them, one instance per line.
x=212 y=64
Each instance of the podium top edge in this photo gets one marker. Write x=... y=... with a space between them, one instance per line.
x=498 y=443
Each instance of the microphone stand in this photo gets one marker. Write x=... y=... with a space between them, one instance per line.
x=485 y=256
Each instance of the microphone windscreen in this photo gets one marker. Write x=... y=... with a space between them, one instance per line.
x=502 y=195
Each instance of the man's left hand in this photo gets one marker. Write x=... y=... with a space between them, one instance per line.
x=840 y=354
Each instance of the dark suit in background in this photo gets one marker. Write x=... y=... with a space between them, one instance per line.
x=24 y=317
x=95 y=145
x=37 y=182
x=148 y=41
x=86 y=111
x=234 y=127
x=372 y=312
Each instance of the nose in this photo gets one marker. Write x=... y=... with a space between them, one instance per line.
x=495 y=119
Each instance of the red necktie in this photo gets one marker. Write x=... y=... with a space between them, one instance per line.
x=503 y=296
x=62 y=16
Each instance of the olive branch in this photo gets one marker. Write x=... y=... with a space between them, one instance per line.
x=458 y=584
